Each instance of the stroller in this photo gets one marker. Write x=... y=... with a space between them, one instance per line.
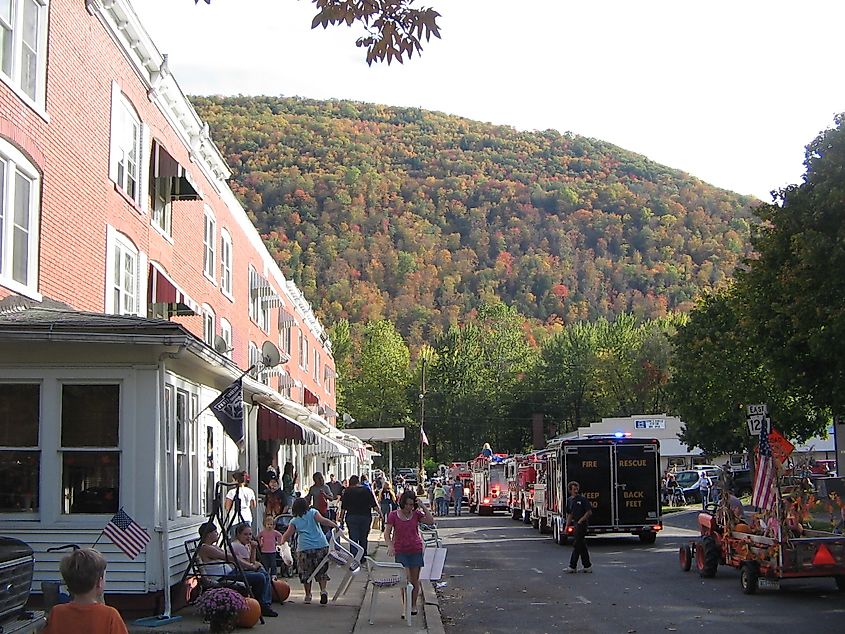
x=282 y=523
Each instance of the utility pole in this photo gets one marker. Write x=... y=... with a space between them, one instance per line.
x=422 y=421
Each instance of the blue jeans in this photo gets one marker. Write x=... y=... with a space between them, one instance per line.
x=359 y=529
x=259 y=583
x=442 y=506
x=458 y=506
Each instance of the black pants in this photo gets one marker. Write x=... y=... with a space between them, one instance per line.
x=579 y=547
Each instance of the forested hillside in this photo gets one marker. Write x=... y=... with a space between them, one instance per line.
x=417 y=216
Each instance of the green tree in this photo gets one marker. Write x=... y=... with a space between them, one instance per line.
x=717 y=370
x=794 y=292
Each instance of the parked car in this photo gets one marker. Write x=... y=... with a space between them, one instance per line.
x=16 y=568
x=742 y=482
x=689 y=480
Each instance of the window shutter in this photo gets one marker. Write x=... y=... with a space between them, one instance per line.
x=144 y=168
x=141 y=285
x=114 y=131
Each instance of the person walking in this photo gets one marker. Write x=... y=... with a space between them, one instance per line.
x=458 y=494
x=311 y=546
x=441 y=505
x=387 y=500
x=356 y=507
x=289 y=478
x=240 y=500
x=319 y=495
x=404 y=542
x=578 y=512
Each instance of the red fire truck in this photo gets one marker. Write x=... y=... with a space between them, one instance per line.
x=521 y=473
x=461 y=470
x=490 y=486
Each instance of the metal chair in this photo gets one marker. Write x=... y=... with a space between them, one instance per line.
x=348 y=557
x=383 y=575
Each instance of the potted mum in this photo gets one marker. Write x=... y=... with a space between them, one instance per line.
x=220 y=608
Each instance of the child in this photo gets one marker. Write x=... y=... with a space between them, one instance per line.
x=311 y=546
x=268 y=539
x=84 y=572
x=273 y=498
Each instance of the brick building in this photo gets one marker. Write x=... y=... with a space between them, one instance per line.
x=133 y=289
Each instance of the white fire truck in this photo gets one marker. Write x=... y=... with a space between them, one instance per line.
x=620 y=476
x=490 y=486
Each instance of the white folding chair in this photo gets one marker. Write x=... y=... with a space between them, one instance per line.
x=347 y=557
x=383 y=575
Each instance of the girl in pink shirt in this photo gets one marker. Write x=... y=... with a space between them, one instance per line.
x=268 y=539
x=402 y=534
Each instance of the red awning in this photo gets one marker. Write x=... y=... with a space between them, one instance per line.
x=161 y=289
x=309 y=398
x=275 y=426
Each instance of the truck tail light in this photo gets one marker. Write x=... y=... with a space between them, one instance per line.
x=486 y=501
x=657 y=527
x=570 y=529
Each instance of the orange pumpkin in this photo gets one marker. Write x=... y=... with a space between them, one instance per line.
x=281 y=590
x=249 y=616
x=742 y=528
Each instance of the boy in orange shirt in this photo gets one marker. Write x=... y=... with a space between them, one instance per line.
x=84 y=572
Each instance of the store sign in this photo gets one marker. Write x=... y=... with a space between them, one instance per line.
x=650 y=423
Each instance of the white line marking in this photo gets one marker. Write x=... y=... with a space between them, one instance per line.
x=538 y=604
x=583 y=600
x=537 y=570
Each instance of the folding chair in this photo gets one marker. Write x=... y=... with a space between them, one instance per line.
x=348 y=558
x=196 y=576
x=383 y=575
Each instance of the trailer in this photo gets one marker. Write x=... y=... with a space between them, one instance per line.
x=619 y=475
x=490 y=487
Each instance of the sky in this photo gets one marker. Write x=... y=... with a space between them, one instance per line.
x=730 y=91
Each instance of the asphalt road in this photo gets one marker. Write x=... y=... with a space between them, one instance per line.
x=503 y=576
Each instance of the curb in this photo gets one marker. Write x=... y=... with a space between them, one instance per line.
x=433 y=621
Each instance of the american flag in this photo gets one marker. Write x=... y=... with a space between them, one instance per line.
x=765 y=492
x=126 y=534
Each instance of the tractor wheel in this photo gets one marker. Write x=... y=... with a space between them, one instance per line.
x=707 y=557
x=840 y=581
x=685 y=557
x=748 y=578
x=648 y=537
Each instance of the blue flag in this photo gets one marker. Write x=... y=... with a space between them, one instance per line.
x=228 y=408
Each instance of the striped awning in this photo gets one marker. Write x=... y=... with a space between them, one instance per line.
x=162 y=289
x=286 y=320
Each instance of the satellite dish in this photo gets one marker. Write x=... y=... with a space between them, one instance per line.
x=220 y=345
x=270 y=355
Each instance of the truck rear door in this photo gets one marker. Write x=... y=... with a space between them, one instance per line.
x=591 y=466
x=637 y=477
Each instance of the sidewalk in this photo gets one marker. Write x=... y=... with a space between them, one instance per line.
x=349 y=615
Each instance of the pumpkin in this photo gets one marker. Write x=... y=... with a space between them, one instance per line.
x=742 y=528
x=249 y=616
x=281 y=590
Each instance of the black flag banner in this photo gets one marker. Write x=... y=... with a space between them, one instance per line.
x=228 y=408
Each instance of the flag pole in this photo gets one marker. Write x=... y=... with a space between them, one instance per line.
x=243 y=374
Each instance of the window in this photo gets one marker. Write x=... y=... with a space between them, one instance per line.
x=19 y=220
x=226 y=333
x=125 y=164
x=208 y=499
x=317 y=366
x=259 y=310
x=254 y=359
x=90 y=455
x=161 y=203
x=123 y=271
x=20 y=455
x=184 y=433
x=303 y=351
x=284 y=338
x=23 y=44
x=254 y=299
x=225 y=262
x=208 y=331
x=327 y=379
x=209 y=242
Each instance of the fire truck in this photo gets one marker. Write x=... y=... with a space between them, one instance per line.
x=619 y=475
x=544 y=466
x=490 y=486
x=521 y=473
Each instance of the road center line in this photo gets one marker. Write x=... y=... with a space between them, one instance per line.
x=537 y=570
x=583 y=600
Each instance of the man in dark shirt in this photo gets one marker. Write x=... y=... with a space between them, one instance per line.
x=356 y=506
x=578 y=511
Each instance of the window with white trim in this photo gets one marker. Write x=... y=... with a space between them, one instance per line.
x=317 y=366
x=20 y=186
x=225 y=262
x=123 y=269
x=23 y=47
x=209 y=243
x=90 y=448
x=254 y=357
x=208 y=324
x=254 y=298
x=20 y=449
x=226 y=333
x=125 y=167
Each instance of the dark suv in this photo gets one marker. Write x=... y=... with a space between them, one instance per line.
x=741 y=482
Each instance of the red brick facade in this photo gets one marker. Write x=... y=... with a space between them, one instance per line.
x=70 y=147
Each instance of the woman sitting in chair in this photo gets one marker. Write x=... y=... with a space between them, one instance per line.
x=402 y=534
x=218 y=562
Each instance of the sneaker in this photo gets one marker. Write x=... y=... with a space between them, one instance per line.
x=307 y=600
x=266 y=610
x=324 y=598
x=570 y=571
x=588 y=570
